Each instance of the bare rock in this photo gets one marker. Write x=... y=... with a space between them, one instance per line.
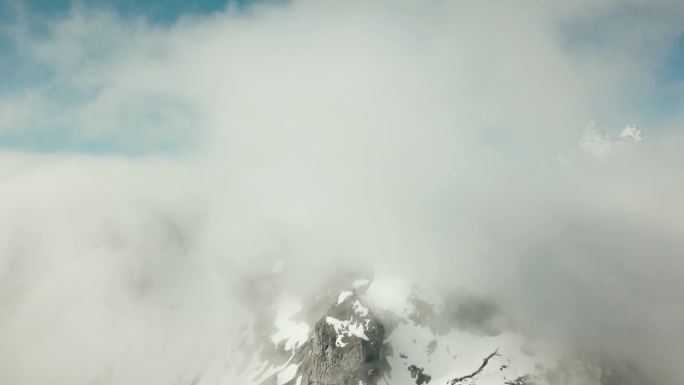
x=345 y=347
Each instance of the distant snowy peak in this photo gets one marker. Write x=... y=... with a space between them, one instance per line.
x=597 y=143
x=631 y=134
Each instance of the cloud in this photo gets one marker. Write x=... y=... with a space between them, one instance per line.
x=401 y=135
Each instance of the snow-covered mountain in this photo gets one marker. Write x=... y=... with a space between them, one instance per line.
x=596 y=142
x=383 y=330
x=596 y=145
x=631 y=134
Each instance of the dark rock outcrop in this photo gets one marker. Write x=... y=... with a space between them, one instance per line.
x=419 y=375
x=345 y=347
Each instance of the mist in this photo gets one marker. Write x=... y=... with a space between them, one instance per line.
x=417 y=138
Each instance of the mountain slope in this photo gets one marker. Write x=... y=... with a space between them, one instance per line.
x=385 y=331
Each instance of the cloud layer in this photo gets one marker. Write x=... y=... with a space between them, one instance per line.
x=412 y=137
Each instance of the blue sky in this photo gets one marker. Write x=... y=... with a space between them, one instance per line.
x=19 y=73
x=157 y=11
x=15 y=71
x=624 y=31
x=337 y=136
x=599 y=36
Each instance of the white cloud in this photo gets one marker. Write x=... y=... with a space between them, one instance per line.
x=385 y=133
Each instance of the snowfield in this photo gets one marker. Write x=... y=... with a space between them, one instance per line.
x=425 y=341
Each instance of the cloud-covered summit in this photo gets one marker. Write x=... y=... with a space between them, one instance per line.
x=149 y=169
x=596 y=141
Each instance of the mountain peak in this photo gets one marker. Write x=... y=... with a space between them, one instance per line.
x=387 y=330
x=596 y=142
x=631 y=134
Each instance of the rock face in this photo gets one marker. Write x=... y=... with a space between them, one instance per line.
x=386 y=332
x=345 y=347
x=419 y=375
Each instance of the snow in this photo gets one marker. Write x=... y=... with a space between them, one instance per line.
x=451 y=354
x=286 y=374
x=596 y=142
x=360 y=309
x=457 y=354
x=241 y=367
x=343 y=296
x=294 y=333
x=631 y=134
x=347 y=328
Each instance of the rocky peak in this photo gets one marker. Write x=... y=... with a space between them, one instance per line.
x=344 y=348
x=387 y=331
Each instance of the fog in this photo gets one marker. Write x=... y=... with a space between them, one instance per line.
x=421 y=138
